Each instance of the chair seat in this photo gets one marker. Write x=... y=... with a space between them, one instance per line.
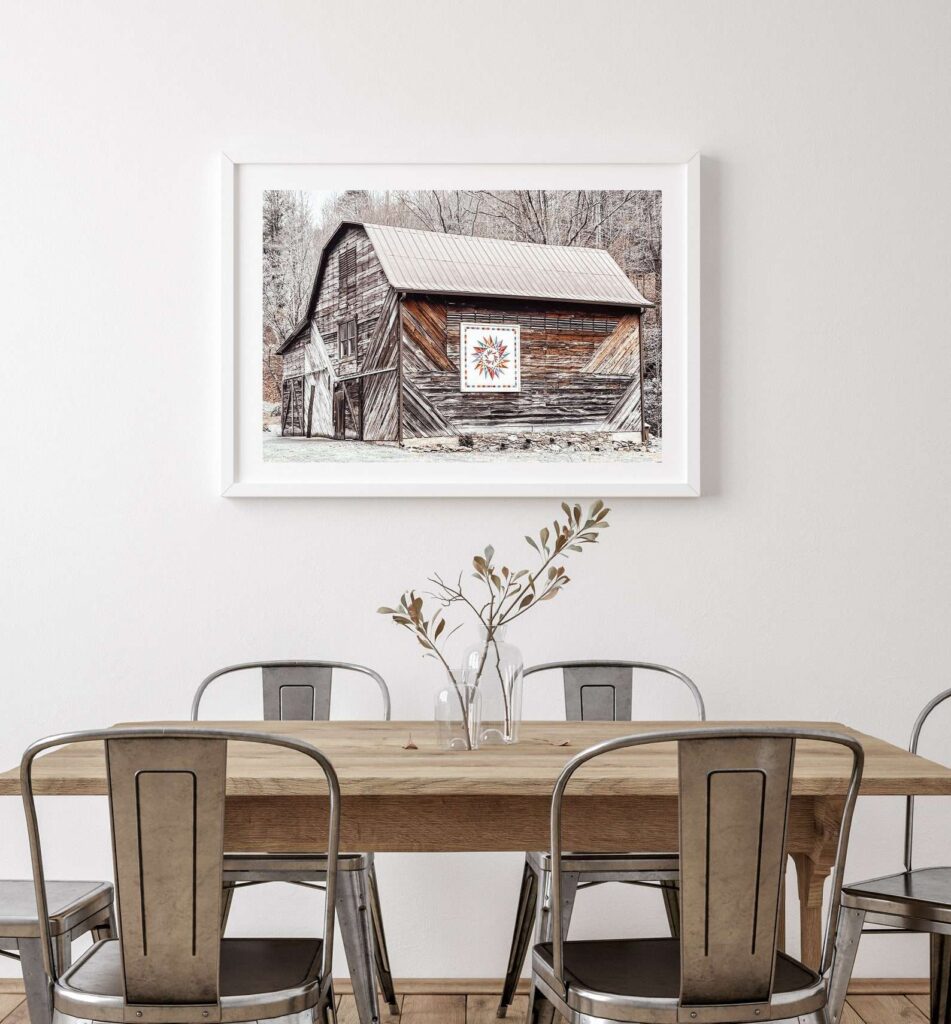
x=924 y=893
x=642 y=972
x=261 y=977
x=68 y=903
x=267 y=867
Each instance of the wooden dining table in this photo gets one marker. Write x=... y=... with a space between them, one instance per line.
x=402 y=793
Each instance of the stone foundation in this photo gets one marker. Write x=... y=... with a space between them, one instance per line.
x=536 y=440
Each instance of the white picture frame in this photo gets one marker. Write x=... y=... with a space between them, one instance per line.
x=244 y=473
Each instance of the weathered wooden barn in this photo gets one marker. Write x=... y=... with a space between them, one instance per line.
x=400 y=320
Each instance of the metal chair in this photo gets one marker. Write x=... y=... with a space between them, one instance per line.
x=594 y=691
x=170 y=963
x=726 y=967
x=74 y=908
x=301 y=691
x=916 y=900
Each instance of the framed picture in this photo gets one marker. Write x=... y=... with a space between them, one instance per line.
x=484 y=329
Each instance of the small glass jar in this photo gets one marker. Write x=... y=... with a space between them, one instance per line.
x=495 y=668
x=458 y=716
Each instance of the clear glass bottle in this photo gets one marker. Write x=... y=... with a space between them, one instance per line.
x=458 y=716
x=495 y=668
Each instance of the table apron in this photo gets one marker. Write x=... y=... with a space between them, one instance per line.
x=430 y=823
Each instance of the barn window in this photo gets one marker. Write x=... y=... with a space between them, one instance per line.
x=347 y=338
x=347 y=273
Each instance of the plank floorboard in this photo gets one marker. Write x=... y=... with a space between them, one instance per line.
x=9 y=1002
x=923 y=1002
x=421 y=1009
x=480 y=1009
x=849 y=1016
x=19 y=1015
x=347 y=1011
x=881 y=1009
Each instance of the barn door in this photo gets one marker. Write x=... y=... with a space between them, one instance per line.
x=292 y=407
x=340 y=412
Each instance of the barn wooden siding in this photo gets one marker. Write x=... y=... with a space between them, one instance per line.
x=292 y=407
x=381 y=389
x=320 y=406
x=580 y=367
x=294 y=359
x=306 y=402
x=365 y=302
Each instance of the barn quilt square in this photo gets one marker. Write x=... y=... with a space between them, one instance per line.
x=490 y=358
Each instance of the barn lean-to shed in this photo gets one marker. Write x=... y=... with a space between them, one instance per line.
x=385 y=351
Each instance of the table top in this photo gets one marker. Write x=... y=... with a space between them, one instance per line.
x=371 y=759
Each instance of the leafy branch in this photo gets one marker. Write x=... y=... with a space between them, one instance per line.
x=508 y=593
x=428 y=632
x=504 y=594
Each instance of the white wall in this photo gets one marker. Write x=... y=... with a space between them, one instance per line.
x=811 y=580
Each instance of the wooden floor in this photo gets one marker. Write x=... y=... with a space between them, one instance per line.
x=420 y=1008
x=480 y=1009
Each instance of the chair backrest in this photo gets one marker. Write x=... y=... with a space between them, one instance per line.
x=734 y=798
x=913 y=748
x=734 y=787
x=296 y=690
x=167 y=800
x=603 y=691
x=166 y=791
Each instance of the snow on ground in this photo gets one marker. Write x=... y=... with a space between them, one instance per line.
x=320 y=449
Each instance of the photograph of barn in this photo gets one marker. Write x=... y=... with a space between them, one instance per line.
x=443 y=343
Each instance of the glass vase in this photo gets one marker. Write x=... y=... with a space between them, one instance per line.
x=495 y=668
x=458 y=716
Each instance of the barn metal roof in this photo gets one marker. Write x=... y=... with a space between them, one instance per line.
x=430 y=261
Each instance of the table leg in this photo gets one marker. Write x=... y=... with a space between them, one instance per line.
x=812 y=869
x=353 y=914
x=811 y=877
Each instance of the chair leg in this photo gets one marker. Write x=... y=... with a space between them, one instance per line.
x=569 y=889
x=521 y=938
x=941 y=979
x=328 y=1010
x=848 y=934
x=671 y=893
x=543 y=926
x=62 y=953
x=383 y=973
x=227 y=895
x=39 y=988
x=540 y=1010
x=106 y=930
x=357 y=932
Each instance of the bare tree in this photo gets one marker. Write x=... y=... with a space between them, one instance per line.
x=291 y=250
